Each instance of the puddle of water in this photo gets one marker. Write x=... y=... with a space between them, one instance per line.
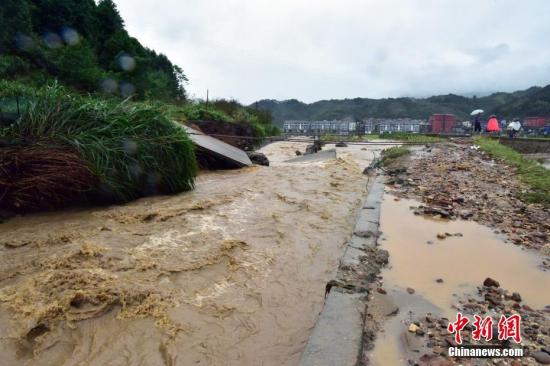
x=543 y=159
x=463 y=262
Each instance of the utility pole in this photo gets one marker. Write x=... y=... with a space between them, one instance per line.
x=206 y=98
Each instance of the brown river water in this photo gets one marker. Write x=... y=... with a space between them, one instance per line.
x=232 y=273
x=463 y=262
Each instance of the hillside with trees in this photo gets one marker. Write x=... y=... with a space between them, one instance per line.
x=85 y=46
x=90 y=115
x=534 y=101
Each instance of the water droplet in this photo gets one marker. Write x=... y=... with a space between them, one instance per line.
x=126 y=62
x=129 y=146
x=52 y=40
x=109 y=86
x=127 y=89
x=70 y=36
x=136 y=171
x=24 y=42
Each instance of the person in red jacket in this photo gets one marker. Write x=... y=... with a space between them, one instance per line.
x=492 y=125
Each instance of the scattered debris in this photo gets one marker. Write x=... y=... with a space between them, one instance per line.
x=258 y=158
x=318 y=156
x=489 y=301
x=456 y=182
x=489 y=282
x=315 y=147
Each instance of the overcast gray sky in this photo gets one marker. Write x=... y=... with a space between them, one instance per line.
x=312 y=50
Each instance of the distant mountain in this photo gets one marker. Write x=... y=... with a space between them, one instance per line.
x=533 y=101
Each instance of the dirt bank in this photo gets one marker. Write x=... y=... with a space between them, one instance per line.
x=232 y=273
x=222 y=131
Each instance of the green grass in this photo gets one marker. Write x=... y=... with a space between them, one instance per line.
x=393 y=153
x=353 y=138
x=194 y=112
x=409 y=137
x=530 y=172
x=133 y=148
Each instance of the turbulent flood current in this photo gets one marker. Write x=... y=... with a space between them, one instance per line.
x=232 y=273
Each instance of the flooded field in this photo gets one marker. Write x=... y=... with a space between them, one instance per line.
x=440 y=270
x=232 y=273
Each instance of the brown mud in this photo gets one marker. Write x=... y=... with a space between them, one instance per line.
x=456 y=181
x=427 y=275
x=232 y=273
x=449 y=222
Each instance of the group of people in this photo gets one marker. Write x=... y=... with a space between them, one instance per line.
x=493 y=126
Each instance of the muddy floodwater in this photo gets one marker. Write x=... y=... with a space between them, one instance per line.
x=232 y=273
x=463 y=260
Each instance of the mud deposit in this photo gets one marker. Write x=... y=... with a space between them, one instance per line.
x=232 y=273
x=428 y=274
x=459 y=182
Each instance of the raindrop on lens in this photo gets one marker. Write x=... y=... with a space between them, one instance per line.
x=153 y=182
x=70 y=36
x=127 y=62
x=109 y=86
x=129 y=146
x=127 y=89
x=24 y=42
x=52 y=40
x=136 y=171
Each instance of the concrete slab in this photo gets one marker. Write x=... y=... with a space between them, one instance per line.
x=217 y=148
x=362 y=243
x=318 y=156
x=367 y=229
x=336 y=338
x=374 y=198
x=368 y=219
x=369 y=215
x=351 y=256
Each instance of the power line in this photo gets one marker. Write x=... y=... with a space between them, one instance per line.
x=287 y=139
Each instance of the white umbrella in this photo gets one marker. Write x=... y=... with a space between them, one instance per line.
x=476 y=112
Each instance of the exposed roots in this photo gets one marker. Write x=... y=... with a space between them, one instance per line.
x=42 y=177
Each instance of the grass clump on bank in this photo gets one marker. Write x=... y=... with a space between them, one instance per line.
x=393 y=153
x=82 y=148
x=530 y=172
